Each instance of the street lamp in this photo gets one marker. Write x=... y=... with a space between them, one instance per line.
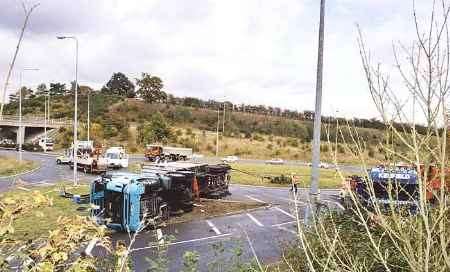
x=75 y=123
x=314 y=192
x=88 y=114
x=21 y=131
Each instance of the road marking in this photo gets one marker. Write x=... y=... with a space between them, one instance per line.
x=285 y=223
x=284 y=212
x=186 y=241
x=294 y=201
x=90 y=246
x=255 y=220
x=255 y=199
x=213 y=227
x=159 y=236
x=288 y=230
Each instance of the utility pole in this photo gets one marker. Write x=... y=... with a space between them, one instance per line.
x=45 y=123
x=217 y=131
x=21 y=131
x=314 y=193
x=75 y=123
x=223 y=121
x=88 y=120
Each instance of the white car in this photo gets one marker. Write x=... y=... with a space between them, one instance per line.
x=230 y=159
x=64 y=159
x=275 y=161
x=321 y=165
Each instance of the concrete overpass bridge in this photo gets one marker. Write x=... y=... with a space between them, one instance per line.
x=31 y=126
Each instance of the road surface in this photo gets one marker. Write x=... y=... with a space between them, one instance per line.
x=216 y=239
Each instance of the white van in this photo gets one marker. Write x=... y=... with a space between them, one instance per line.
x=46 y=144
x=116 y=157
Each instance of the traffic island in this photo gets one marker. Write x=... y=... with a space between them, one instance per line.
x=10 y=166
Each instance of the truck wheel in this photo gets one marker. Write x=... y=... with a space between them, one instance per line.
x=85 y=170
x=58 y=161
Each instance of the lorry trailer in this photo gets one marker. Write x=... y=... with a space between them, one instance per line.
x=157 y=153
x=213 y=179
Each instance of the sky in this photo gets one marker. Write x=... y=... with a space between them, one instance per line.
x=252 y=51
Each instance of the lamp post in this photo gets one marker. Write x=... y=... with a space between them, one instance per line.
x=88 y=114
x=217 y=131
x=314 y=193
x=75 y=123
x=21 y=131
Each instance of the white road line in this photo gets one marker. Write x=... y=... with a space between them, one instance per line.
x=159 y=236
x=293 y=201
x=284 y=212
x=186 y=241
x=255 y=220
x=90 y=246
x=213 y=227
x=288 y=230
x=285 y=223
x=255 y=199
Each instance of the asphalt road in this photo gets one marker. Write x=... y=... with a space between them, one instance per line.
x=260 y=232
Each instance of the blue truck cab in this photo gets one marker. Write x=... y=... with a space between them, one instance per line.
x=395 y=185
x=127 y=202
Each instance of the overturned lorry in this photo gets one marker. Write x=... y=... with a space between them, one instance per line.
x=213 y=180
x=127 y=202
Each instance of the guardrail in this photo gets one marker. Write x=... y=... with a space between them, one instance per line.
x=38 y=120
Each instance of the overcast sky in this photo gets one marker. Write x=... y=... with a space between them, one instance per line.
x=252 y=51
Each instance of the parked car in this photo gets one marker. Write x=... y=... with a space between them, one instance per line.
x=275 y=161
x=230 y=159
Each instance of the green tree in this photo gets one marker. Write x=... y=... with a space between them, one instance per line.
x=119 y=84
x=41 y=89
x=57 y=89
x=150 y=88
x=156 y=130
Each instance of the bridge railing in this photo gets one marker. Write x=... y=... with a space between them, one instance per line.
x=35 y=119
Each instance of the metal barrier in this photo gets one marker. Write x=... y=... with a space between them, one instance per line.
x=35 y=120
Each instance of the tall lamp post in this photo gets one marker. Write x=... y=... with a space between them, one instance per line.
x=21 y=131
x=314 y=189
x=75 y=118
x=88 y=114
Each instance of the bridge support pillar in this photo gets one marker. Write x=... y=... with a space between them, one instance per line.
x=20 y=135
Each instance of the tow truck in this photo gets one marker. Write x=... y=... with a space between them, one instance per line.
x=396 y=185
x=89 y=158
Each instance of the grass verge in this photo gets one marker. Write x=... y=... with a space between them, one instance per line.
x=11 y=166
x=329 y=178
x=37 y=224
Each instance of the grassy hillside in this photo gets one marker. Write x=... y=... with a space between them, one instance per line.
x=116 y=120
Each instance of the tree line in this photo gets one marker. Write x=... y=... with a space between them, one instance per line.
x=150 y=89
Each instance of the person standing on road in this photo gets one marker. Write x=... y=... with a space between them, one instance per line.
x=294 y=184
x=195 y=189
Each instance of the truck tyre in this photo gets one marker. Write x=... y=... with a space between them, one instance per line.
x=58 y=161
